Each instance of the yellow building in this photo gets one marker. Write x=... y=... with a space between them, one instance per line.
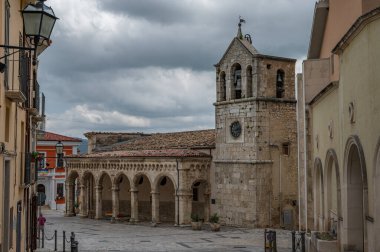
x=19 y=117
x=340 y=159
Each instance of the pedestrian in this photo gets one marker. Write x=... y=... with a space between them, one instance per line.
x=41 y=224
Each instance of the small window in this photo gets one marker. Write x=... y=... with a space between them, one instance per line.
x=60 y=190
x=195 y=194
x=7 y=123
x=41 y=160
x=280 y=79
x=285 y=149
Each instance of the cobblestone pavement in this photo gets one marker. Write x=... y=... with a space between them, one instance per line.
x=101 y=235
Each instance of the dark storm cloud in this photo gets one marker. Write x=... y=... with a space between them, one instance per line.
x=148 y=64
x=163 y=11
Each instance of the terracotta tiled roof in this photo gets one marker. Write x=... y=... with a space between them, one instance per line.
x=174 y=140
x=91 y=133
x=49 y=136
x=144 y=153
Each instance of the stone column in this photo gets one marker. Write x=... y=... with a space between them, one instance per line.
x=207 y=207
x=155 y=206
x=115 y=202
x=184 y=207
x=176 y=221
x=69 y=211
x=134 y=205
x=82 y=209
x=98 y=207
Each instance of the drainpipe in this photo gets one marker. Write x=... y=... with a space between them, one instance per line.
x=177 y=191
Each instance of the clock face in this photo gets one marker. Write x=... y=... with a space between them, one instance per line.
x=235 y=129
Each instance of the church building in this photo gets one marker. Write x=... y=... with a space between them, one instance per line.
x=245 y=169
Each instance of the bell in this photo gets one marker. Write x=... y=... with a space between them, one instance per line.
x=279 y=78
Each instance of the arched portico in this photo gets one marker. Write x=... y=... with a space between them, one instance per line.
x=163 y=199
x=318 y=195
x=333 y=203
x=141 y=189
x=200 y=199
x=355 y=179
x=72 y=187
x=121 y=196
x=103 y=195
x=87 y=195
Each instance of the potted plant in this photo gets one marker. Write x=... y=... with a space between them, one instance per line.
x=196 y=223
x=214 y=222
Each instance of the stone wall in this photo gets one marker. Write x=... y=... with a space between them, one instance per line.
x=256 y=172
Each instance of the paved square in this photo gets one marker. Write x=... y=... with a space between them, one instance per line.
x=101 y=235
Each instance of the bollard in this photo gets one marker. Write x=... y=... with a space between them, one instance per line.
x=64 y=241
x=43 y=237
x=298 y=241
x=293 y=241
x=303 y=241
x=74 y=244
x=55 y=240
x=270 y=241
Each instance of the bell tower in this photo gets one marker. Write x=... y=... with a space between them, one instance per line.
x=255 y=159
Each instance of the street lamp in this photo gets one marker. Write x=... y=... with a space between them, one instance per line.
x=59 y=147
x=38 y=23
x=59 y=150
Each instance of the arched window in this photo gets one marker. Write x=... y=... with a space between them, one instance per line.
x=236 y=81
x=222 y=83
x=249 y=81
x=280 y=79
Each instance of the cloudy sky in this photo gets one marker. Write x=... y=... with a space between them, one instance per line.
x=147 y=65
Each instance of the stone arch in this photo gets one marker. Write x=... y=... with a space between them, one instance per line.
x=142 y=186
x=236 y=81
x=318 y=190
x=72 y=192
x=87 y=195
x=222 y=86
x=355 y=179
x=376 y=184
x=333 y=199
x=200 y=189
x=122 y=185
x=249 y=81
x=164 y=198
x=104 y=195
x=280 y=83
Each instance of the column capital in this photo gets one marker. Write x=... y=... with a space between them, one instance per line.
x=155 y=193
x=82 y=186
x=115 y=188
x=134 y=190
x=98 y=187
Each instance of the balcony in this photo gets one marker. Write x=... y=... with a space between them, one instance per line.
x=15 y=95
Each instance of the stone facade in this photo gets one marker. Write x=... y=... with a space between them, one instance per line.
x=256 y=171
x=340 y=125
x=245 y=170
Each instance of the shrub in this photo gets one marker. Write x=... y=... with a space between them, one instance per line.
x=195 y=217
x=214 y=218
